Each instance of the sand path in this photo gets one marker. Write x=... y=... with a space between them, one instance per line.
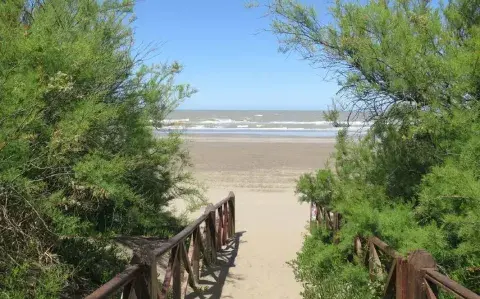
x=270 y=223
x=269 y=229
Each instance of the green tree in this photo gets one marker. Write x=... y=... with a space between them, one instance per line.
x=79 y=161
x=411 y=68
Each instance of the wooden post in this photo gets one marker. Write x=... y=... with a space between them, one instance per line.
x=232 y=212
x=212 y=247
x=358 y=247
x=187 y=263
x=204 y=247
x=401 y=278
x=225 y=224
x=418 y=261
x=374 y=264
x=229 y=216
x=153 y=277
x=220 y=228
x=177 y=274
x=226 y=211
x=168 y=276
x=196 y=254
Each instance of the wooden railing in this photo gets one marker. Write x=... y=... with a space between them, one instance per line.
x=413 y=277
x=204 y=237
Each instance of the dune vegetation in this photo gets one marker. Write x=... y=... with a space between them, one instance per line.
x=79 y=162
x=411 y=67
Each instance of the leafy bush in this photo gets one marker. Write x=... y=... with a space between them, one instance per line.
x=318 y=188
x=413 y=179
x=79 y=162
x=321 y=261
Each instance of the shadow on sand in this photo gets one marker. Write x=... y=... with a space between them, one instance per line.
x=212 y=279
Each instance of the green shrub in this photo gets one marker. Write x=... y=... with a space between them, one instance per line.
x=326 y=263
x=79 y=161
x=413 y=179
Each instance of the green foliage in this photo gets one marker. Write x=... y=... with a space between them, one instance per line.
x=332 y=115
x=318 y=188
x=413 y=180
x=79 y=162
x=96 y=260
x=321 y=261
x=47 y=281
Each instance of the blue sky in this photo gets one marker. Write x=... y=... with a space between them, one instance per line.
x=229 y=57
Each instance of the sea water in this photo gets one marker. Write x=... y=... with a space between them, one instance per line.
x=260 y=123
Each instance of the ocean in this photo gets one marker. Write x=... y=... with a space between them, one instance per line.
x=258 y=123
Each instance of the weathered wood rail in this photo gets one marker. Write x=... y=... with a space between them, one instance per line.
x=413 y=277
x=204 y=237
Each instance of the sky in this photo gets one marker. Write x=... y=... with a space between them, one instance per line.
x=229 y=56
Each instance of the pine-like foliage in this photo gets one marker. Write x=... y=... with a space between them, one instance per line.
x=412 y=67
x=79 y=162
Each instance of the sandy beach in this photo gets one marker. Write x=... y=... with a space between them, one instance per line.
x=260 y=164
x=270 y=223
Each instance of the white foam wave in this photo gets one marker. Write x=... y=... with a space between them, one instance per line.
x=249 y=122
x=246 y=122
x=352 y=128
x=174 y=121
x=320 y=122
x=219 y=121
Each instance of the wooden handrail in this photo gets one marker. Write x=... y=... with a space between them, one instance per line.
x=407 y=278
x=385 y=247
x=172 y=242
x=142 y=278
x=119 y=281
x=449 y=285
